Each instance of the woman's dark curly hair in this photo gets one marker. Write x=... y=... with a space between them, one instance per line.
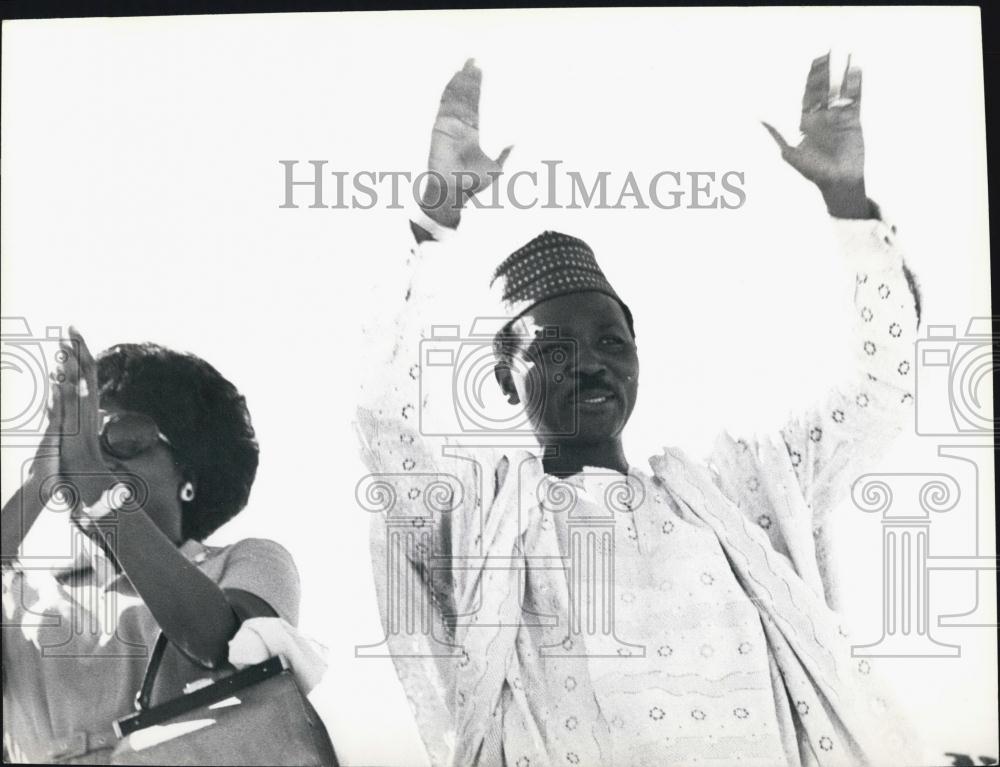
x=201 y=413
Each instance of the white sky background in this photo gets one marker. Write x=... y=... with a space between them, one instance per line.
x=141 y=188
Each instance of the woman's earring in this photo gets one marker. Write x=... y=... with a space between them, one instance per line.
x=187 y=492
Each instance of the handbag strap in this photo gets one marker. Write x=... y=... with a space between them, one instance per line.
x=145 y=693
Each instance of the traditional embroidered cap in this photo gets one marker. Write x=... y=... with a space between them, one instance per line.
x=553 y=264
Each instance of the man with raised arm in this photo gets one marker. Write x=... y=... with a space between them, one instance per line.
x=569 y=607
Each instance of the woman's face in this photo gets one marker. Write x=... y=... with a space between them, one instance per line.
x=159 y=476
x=581 y=375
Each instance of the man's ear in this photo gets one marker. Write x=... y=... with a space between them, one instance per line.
x=502 y=372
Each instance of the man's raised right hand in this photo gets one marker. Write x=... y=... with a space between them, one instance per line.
x=455 y=156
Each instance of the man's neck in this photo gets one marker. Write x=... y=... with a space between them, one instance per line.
x=563 y=460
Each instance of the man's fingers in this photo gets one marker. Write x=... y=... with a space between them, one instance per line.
x=461 y=95
x=778 y=138
x=502 y=157
x=817 y=85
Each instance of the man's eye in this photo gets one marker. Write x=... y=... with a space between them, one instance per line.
x=613 y=340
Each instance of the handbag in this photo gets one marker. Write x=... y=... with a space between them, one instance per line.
x=255 y=716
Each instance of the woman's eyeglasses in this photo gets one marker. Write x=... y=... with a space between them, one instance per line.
x=126 y=435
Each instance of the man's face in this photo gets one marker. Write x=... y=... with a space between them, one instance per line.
x=578 y=370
